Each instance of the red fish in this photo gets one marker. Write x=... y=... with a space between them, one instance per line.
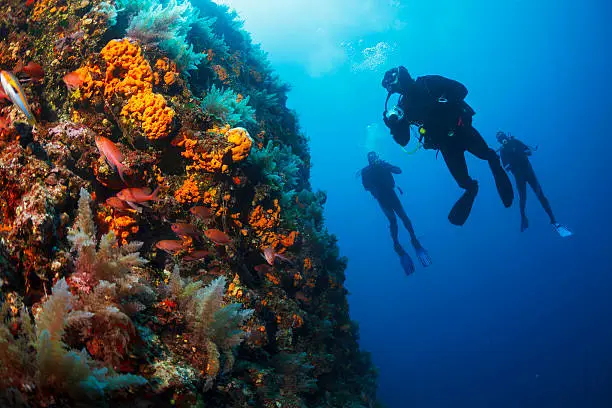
x=263 y=269
x=270 y=254
x=73 y=80
x=112 y=155
x=182 y=229
x=117 y=204
x=201 y=212
x=33 y=70
x=137 y=195
x=197 y=255
x=218 y=237
x=171 y=246
x=3 y=96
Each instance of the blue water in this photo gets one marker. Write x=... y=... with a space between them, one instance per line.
x=502 y=318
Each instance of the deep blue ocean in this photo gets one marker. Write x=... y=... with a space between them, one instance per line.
x=502 y=318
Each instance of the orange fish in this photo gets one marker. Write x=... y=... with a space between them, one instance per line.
x=218 y=237
x=201 y=212
x=33 y=70
x=182 y=229
x=117 y=204
x=112 y=155
x=137 y=195
x=197 y=255
x=263 y=269
x=73 y=80
x=171 y=246
x=270 y=254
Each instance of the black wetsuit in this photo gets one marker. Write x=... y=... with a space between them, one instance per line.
x=437 y=103
x=515 y=157
x=377 y=178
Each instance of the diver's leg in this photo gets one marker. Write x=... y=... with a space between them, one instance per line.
x=521 y=186
x=401 y=213
x=455 y=161
x=537 y=189
x=390 y=214
x=421 y=252
x=476 y=145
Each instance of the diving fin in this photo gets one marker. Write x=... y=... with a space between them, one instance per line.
x=504 y=185
x=524 y=223
x=562 y=230
x=462 y=208
x=407 y=264
x=423 y=256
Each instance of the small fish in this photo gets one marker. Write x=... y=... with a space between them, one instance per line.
x=137 y=195
x=218 y=237
x=73 y=80
x=13 y=90
x=117 y=204
x=270 y=255
x=112 y=155
x=201 y=212
x=182 y=229
x=171 y=246
x=33 y=70
x=262 y=269
x=197 y=255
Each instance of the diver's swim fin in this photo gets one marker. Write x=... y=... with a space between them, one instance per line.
x=524 y=223
x=504 y=185
x=562 y=230
x=462 y=208
x=423 y=256
x=407 y=263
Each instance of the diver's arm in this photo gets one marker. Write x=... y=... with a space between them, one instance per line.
x=393 y=169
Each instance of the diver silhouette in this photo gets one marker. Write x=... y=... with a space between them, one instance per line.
x=515 y=158
x=436 y=104
x=377 y=178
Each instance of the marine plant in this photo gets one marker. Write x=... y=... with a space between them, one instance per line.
x=225 y=106
x=168 y=27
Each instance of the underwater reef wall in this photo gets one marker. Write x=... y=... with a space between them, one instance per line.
x=160 y=243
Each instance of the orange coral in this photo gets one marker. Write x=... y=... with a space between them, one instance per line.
x=128 y=74
x=217 y=160
x=221 y=73
x=150 y=110
x=123 y=226
x=189 y=192
x=242 y=142
x=167 y=69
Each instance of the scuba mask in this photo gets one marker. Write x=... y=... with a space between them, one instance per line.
x=502 y=138
x=391 y=80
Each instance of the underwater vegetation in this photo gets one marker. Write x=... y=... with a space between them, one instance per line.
x=160 y=243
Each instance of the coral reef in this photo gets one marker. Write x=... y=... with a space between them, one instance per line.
x=160 y=244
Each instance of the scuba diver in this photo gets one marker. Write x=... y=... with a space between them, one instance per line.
x=436 y=105
x=515 y=157
x=377 y=178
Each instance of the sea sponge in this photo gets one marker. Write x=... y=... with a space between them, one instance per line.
x=242 y=142
x=127 y=71
x=150 y=110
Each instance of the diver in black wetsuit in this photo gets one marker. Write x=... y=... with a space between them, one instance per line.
x=515 y=157
x=377 y=178
x=436 y=104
